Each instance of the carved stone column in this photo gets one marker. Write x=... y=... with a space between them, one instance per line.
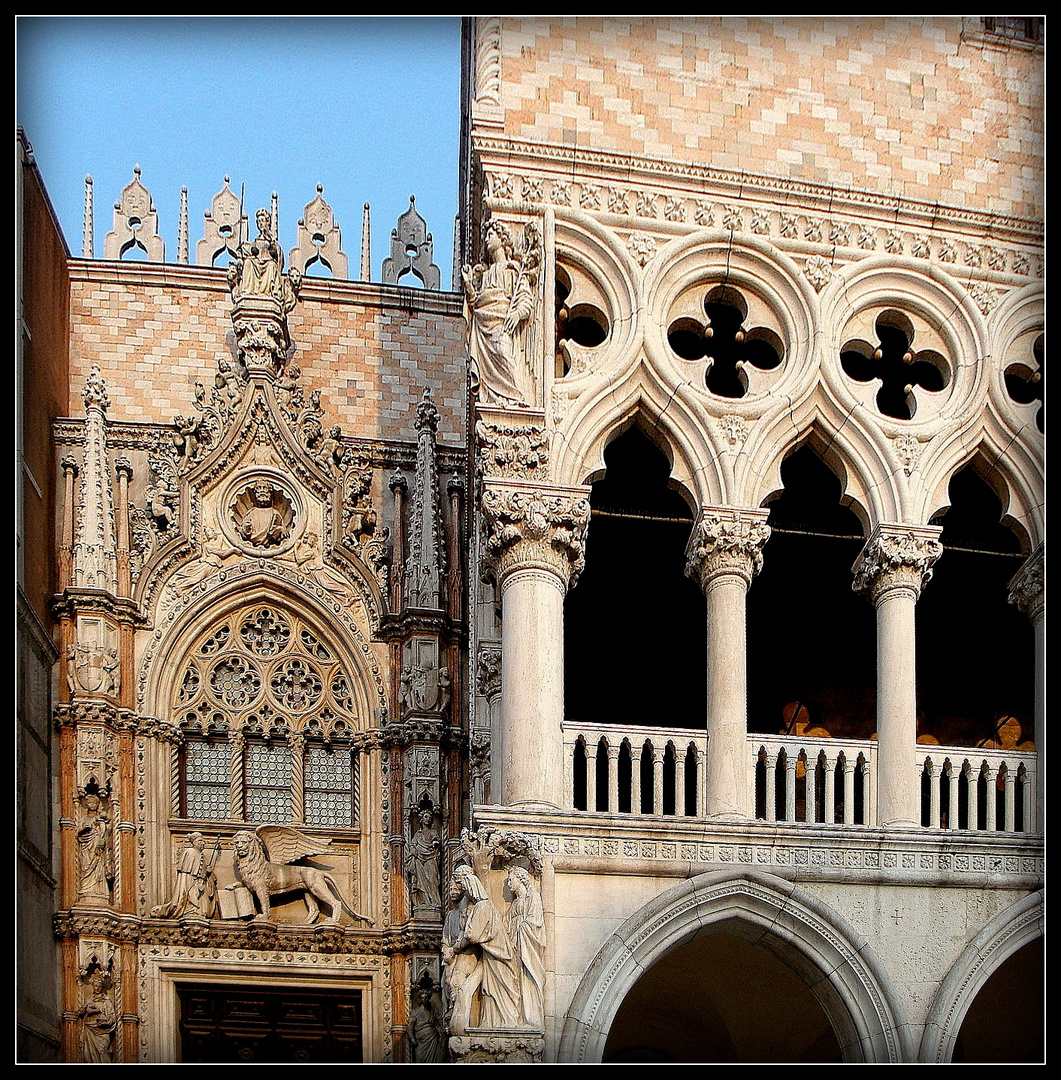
x=723 y=555
x=1027 y=591
x=894 y=566
x=535 y=544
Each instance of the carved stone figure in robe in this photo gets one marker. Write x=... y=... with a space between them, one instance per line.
x=499 y=298
x=98 y=1023
x=479 y=956
x=94 y=852
x=422 y=865
x=195 y=890
x=263 y=524
x=424 y=1033
x=525 y=922
x=258 y=269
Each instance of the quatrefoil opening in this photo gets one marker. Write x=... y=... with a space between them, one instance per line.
x=894 y=363
x=718 y=333
x=1025 y=380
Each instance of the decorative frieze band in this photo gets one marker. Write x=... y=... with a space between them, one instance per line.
x=511 y=448
x=897 y=557
x=536 y=527
x=726 y=541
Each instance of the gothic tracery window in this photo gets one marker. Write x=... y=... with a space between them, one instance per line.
x=267 y=712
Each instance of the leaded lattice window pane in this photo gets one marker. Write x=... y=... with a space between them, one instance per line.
x=264 y=673
x=267 y=782
x=206 y=780
x=329 y=798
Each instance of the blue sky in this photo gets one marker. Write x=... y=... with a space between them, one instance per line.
x=367 y=107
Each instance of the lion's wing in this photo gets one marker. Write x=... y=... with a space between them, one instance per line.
x=284 y=844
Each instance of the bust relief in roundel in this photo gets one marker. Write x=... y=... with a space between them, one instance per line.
x=261 y=516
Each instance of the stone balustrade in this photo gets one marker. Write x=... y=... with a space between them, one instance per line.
x=653 y=771
x=979 y=789
x=814 y=781
x=622 y=769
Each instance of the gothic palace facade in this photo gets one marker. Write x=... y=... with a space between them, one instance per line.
x=634 y=654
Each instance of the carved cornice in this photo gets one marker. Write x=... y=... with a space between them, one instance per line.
x=1027 y=589
x=489 y=1047
x=519 y=155
x=69 y=714
x=379 y=453
x=511 y=447
x=73 y=602
x=536 y=528
x=419 y=621
x=258 y=934
x=897 y=557
x=726 y=542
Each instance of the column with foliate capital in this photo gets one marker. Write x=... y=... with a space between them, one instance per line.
x=535 y=542
x=892 y=569
x=724 y=554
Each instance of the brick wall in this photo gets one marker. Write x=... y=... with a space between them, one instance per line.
x=155 y=329
x=923 y=109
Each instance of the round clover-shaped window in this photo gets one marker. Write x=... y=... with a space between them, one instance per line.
x=732 y=333
x=896 y=362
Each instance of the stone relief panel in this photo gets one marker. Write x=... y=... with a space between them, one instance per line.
x=262 y=515
x=92 y=662
x=261 y=876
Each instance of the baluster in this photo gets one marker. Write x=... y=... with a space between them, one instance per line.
x=953 y=776
x=679 y=783
x=991 y=802
x=701 y=785
x=812 y=790
x=790 y=787
x=1028 y=800
x=635 y=780
x=613 y=779
x=829 y=797
x=657 y=781
x=970 y=796
x=770 y=801
x=591 y=777
x=934 y=782
x=849 y=791
x=1009 y=805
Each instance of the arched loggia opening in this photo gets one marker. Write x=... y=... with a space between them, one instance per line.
x=810 y=952
x=634 y=626
x=811 y=655
x=811 y=640
x=975 y=650
x=683 y=1008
